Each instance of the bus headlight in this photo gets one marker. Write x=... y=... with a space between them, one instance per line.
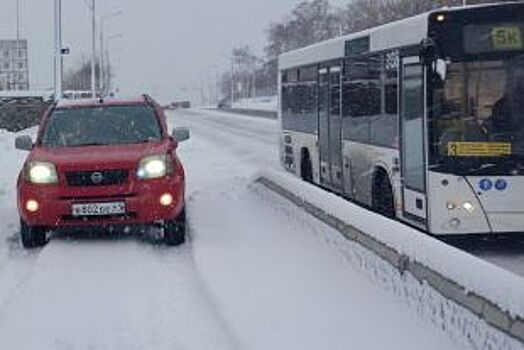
x=469 y=207
x=41 y=173
x=451 y=205
x=153 y=167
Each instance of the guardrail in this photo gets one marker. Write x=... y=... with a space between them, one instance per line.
x=21 y=110
x=251 y=112
x=467 y=297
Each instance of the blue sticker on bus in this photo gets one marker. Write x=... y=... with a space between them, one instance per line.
x=486 y=184
x=501 y=185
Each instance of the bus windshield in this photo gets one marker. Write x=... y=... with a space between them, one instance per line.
x=478 y=116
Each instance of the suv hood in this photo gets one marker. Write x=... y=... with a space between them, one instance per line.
x=98 y=157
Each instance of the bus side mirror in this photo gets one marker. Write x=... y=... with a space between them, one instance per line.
x=428 y=51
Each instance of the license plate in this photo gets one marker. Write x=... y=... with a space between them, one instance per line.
x=99 y=209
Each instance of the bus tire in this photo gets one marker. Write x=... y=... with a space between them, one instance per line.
x=382 y=196
x=306 y=169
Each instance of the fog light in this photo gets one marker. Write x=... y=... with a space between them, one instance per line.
x=166 y=199
x=469 y=207
x=32 y=206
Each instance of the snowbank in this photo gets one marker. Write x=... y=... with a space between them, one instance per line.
x=490 y=292
x=268 y=103
x=23 y=93
x=12 y=161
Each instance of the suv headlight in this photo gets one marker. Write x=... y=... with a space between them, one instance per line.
x=153 y=167
x=41 y=173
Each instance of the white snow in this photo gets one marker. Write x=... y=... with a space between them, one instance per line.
x=266 y=103
x=500 y=286
x=258 y=272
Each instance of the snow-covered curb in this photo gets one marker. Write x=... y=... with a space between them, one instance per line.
x=266 y=103
x=489 y=293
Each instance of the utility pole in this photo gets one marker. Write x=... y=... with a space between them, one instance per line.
x=103 y=62
x=17 y=20
x=58 y=49
x=17 y=38
x=107 y=62
x=93 y=57
x=102 y=58
x=232 y=82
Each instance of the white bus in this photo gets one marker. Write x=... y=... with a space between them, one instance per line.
x=421 y=119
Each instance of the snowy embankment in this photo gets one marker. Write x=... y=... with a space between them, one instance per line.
x=268 y=104
x=11 y=163
x=464 y=295
x=258 y=273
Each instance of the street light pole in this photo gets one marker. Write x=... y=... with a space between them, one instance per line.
x=232 y=82
x=103 y=62
x=58 y=49
x=93 y=57
x=106 y=71
x=17 y=20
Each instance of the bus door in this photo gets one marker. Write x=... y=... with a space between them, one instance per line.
x=335 y=126
x=329 y=127
x=413 y=157
x=323 y=126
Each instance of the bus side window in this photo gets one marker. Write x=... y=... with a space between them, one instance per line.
x=385 y=128
x=362 y=94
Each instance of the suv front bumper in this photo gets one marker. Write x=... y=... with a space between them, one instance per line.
x=141 y=197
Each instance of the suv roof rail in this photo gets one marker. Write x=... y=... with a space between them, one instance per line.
x=148 y=99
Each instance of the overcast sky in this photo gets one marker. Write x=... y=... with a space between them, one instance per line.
x=166 y=45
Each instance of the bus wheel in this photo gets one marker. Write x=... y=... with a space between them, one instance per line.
x=383 y=201
x=306 y=169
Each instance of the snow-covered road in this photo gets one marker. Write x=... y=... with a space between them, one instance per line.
x=258 y=273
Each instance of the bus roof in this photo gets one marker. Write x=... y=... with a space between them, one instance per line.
x=401 y=33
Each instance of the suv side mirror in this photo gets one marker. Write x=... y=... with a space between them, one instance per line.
x=24 y=143
x=181 y=134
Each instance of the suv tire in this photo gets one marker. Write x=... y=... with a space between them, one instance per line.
x=175 y=230
x=32 y=237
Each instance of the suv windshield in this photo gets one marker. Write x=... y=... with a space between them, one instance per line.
x=478 y=114
x=75 y=127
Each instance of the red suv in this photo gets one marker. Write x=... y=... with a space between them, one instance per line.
x=104 y=163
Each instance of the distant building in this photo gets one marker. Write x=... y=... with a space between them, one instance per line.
x=14 y=69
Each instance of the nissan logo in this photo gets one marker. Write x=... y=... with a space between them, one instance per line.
x=97 y=178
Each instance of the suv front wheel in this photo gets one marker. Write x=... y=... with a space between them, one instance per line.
x=175 y=230
x=32 y=237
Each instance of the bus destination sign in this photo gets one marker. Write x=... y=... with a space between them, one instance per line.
x=506 y=38
x=492 y=38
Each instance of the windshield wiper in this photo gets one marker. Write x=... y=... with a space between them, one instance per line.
x=88 y=144
x=506 y=165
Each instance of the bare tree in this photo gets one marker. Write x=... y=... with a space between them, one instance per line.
x=79 y=77
x=312 y=21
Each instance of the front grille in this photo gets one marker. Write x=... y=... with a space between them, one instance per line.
x=96 y=178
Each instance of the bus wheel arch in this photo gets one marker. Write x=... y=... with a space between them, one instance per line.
x=306 y=166
x=382 y=195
